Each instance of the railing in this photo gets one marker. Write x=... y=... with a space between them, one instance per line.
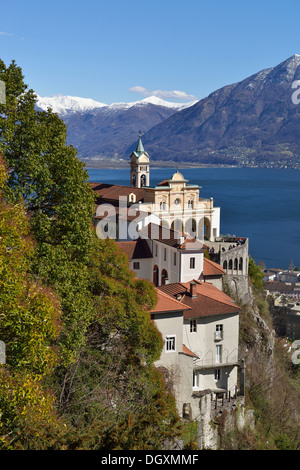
x=210 y=359
x=228 y=396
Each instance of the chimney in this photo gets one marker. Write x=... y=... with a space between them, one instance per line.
x=193 y=290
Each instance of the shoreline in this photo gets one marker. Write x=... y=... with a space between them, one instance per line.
x=88 y=166
x=110 y=164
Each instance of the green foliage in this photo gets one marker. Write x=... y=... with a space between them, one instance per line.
x=76 y=318
x=284 y=442
x=29 y=325
x=124 y=303
x=28 y=312
x=256 y=275
x=47 y=175
x=190 y=435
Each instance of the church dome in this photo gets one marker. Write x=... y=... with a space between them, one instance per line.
x=177 y=177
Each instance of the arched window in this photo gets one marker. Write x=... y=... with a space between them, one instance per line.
x=225 y=265
x=143 y=181
x=177 y=224
x=164 y=277
x=236 y=264
x=230 y=264
x=132 y=197
x=191 y=227
x=190 y=204
x=207 y=229
x=241 y=264
x=155 y=276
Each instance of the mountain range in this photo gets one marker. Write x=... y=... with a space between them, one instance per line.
x=251 y=121
x=99 y=130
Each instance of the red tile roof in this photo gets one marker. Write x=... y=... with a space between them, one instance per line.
x=135 y=249
x=163 y=183
x=209 y=300
x=127 y=213
x=114 y=191
x=191 y=243
x=166 y=303
x=187 y=351
x=210 y=268
x=171 y=237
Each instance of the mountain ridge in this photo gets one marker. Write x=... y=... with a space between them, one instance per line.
x=64 y=104
x=101 y=131
x=250 y=122
x=254 y=119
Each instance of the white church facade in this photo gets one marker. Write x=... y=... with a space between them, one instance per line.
x=173 y=203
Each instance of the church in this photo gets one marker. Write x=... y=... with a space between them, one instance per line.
x=171 y=237
x=173 y=203
x=170 y=215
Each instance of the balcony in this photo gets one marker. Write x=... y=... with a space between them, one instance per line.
x=210 y=360
x=218 y=335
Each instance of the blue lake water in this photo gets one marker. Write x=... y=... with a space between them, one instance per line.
x=259 y=203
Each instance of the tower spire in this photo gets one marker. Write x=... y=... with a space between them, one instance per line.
x=139 y=166
x=140 y=148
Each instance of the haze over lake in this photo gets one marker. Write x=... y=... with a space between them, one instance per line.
x=259 y=203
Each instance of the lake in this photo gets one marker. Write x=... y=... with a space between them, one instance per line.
x=261 y=204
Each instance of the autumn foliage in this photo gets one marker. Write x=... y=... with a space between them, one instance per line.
x=80 y=345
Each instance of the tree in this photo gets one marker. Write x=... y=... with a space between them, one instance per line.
x=256 y=275
x=29 y=324
x=45 y=173
x=105 y=383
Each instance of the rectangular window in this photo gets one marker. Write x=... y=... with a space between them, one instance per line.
x=174 y=259
x=217 y=374
x=165 y=254
x=195 y=379
x=219 y=332
x=192 y=263
x=155 y=250
x=193 y=326
x=218 y=354
x=136 y=265
x=170 y=343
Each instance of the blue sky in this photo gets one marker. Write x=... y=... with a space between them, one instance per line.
x=124 y=50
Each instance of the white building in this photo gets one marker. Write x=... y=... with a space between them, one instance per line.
x=162 y=260
x=199 y=325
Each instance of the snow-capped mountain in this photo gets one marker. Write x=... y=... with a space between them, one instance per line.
x=64 y=105
x=100 y=130
x=155 y=101
x=252 y=120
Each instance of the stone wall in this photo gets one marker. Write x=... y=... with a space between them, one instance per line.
x=218 y=417
x=232 y=255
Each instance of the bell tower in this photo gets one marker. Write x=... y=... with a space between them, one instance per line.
x=139 y=166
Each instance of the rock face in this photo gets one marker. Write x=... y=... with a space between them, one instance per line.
x=258 y=118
